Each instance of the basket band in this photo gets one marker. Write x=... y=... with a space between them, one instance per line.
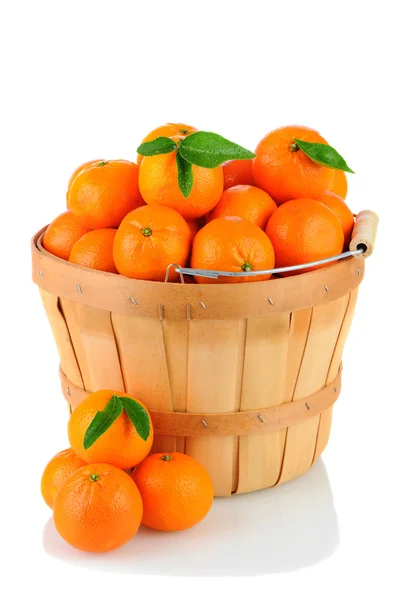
x=154 y=299
x=235 y=423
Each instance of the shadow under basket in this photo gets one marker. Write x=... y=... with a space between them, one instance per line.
x=241 y=377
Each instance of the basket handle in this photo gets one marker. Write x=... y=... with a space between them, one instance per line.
x=364 y=233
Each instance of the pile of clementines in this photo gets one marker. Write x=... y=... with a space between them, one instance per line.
x=105 y=485
x=197 y=199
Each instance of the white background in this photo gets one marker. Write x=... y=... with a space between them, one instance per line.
x=82 y=80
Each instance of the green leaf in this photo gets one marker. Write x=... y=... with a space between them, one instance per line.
x=185 y=175
x=210 y=150
x=162 y=145
x=137 y=415
x=323 y=154
x=102 y=421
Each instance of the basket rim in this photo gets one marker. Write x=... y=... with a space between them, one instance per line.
x=122 y=295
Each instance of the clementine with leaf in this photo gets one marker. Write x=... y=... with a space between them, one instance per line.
x=185 y=173
x=295 y=162
x=168 y=130
x=111 y=427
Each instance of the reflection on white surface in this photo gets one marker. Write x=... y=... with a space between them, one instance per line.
x=270 y=531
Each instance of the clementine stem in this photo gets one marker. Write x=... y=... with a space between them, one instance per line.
x=246 y=267
x=166 y=457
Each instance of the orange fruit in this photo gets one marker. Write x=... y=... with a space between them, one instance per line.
x=98 y=509
x=57 y=471
x=95 y=250
x=196 y=224
x=339 y=184
x=284 y=171
x=167 y=130
x=176 y=491
x=238 y=172
x=158 y=182
x=120 y=445
x=102 y=194
x=62 y=234
x=148 y=240
x=342 y=212
x=245 y=201
x=303 y=231
x=232 y=244
x=76 y=172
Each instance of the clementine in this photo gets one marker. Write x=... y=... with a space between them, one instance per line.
x=176 y=491
x=98 y=509
x=284 y=171
x=148 y=240
x=303 y=231
x=95 y=250
x=246 y=201
x=238 y=172
x=76 y=172
x=342 y=212
x=339 y=184
x=102 y=194
x=232 y=244
x=167 y=130
x=57 y=471
x=62 y=234
x=120 y=445
x=158 y=183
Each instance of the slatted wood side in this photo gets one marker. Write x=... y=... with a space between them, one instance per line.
x=297 y=340
x=213 y=366
x=215 y=370
x=176 y=343
x=264 y=374
x=62 y=338
x=95 y=347
x=325 y=422
x=144 y=366
x=301 y=439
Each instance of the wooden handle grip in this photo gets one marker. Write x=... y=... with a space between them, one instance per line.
x=364 y=232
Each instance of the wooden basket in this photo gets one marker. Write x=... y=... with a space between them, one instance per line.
x=242 y=377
